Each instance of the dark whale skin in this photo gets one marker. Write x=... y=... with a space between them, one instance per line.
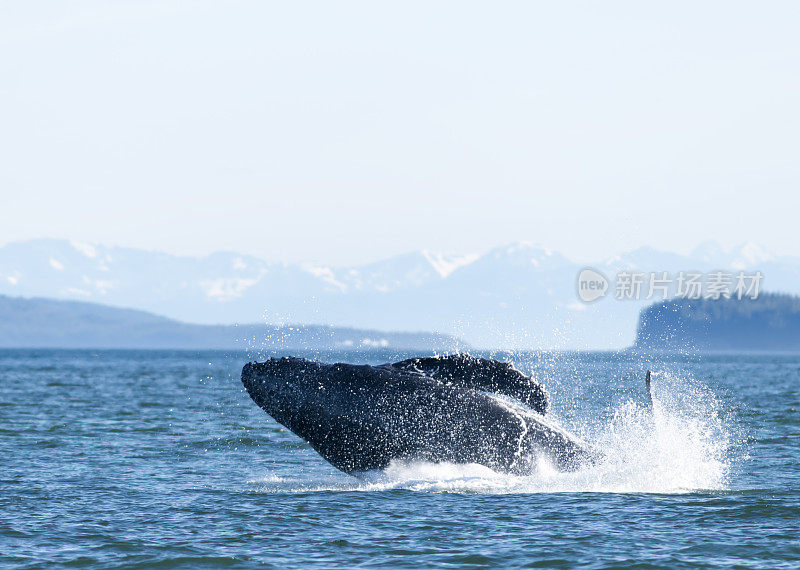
x=360 y=418
x=465 y=371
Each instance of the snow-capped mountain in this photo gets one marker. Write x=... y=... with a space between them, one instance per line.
x=518 y=295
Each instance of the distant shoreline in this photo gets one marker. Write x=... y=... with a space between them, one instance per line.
x=770 y=323
x=41 y=323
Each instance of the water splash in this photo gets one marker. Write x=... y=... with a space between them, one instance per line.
x=679 y=446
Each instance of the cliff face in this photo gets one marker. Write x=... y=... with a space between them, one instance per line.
x=769 y=323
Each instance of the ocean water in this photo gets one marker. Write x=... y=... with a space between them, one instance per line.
x=159 y=458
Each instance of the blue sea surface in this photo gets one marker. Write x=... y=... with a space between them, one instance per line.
x=159 y=458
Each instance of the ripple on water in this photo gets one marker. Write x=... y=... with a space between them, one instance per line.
x=196 y=476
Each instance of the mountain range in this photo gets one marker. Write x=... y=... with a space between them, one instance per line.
x=516 y=296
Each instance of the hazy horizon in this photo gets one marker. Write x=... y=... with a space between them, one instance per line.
x=512 y=296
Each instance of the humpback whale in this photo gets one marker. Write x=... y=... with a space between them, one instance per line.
x=458 y=409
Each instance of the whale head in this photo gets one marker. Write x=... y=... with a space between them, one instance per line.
x=296 y=393
x=336 y=408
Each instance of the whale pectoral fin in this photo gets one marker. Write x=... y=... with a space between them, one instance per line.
x=492 y=376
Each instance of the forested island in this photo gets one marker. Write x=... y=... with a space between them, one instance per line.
x=769 y=323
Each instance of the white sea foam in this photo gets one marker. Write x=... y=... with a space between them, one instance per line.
x=680 y=446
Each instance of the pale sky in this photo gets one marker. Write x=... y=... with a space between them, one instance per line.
x=345 y=132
